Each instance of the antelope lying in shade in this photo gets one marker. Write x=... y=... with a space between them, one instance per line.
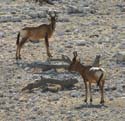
x=43 y=31
x=89 y=74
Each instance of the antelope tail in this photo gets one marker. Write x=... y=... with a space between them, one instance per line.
x=18 y=37
x=98 y=82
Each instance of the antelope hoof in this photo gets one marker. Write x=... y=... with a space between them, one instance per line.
x=20 y=57
x=102 y=102
x=49 y=55
x=90 y=100
x=17 y=58
x=85 y=100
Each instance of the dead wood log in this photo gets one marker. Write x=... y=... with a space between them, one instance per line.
x=64 y=80
x=52 y=87
x=65 y=83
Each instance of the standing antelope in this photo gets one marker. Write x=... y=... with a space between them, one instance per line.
x=36 y=33
x=89 y=74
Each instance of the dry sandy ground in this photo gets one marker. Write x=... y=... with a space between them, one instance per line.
x=100 y=33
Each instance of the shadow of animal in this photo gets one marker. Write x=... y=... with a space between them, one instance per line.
x=90 y=106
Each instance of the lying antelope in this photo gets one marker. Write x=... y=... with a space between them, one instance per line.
x=36 y=33
x=90 y=74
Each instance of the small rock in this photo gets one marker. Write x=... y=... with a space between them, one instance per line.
x=18 y=77
x=120 y=57
x=107 y=88
x=123 y=9
x=114 y=88
x=69 y=112
x=119 y=88
x=114 y=27
x=13 y=12
x=33 y=15
x=41 y=15
x=69 y=46
x=76 y=94
x=111 y=98
x=73 y=9
x=118 y=94
x=36 y=77
x=5 y=18
x=55 y=98
x=60 y=50
x=1 y=95
x=96 y=89
x=94 y=35
x=27 y=68
x=1 y=34
x=123 y=86
x=87 y=114
x=64 y=19
x=16 y=19
x=79 y=106
x=80 y=42
x=23 y=17
x=32 y=118
x=122 y=45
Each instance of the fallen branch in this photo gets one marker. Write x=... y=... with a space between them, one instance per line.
x=65 y=81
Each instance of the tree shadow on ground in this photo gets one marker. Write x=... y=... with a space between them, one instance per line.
x=52 y=63
x=33 y=65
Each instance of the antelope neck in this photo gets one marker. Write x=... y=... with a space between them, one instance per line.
x=81 y=68
x=53 y=26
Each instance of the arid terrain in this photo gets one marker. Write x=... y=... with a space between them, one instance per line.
x=89 y=27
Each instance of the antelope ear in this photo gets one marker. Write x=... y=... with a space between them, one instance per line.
x=74 y=59
x=75 y=56
x=55 y=13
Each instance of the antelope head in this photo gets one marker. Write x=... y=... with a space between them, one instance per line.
x=74 y=65
x=52 y=18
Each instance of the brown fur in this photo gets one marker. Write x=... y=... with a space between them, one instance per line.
x=43 y=31
x=89 y=74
